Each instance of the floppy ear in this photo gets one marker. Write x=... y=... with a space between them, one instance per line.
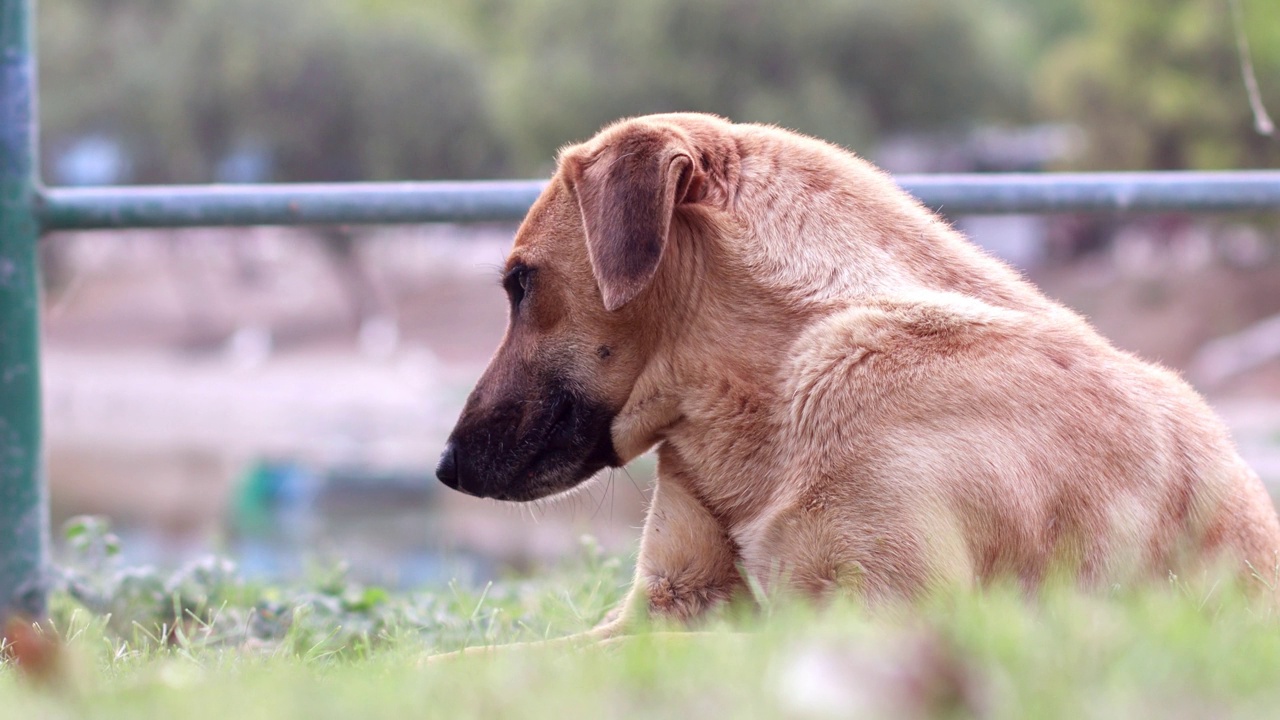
x=627 y=198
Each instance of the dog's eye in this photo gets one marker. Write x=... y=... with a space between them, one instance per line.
x=516 y=283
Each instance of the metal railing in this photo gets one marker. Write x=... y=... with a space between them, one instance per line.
x=27 y=210
x=422 y=202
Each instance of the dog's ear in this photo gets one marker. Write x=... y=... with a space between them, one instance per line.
x=627 y=195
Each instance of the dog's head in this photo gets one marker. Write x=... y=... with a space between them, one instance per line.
x=583 y=280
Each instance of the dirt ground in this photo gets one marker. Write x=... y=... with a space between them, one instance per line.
x=175 y=360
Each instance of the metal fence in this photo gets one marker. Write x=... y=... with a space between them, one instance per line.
x=28 y=210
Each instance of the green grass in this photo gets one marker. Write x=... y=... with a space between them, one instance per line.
x=330 y=649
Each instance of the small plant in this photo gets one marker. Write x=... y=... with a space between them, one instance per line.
x=207 y=603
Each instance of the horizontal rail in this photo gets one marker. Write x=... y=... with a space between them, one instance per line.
x=279 y=204
x=424 y=202
x=1003 y=193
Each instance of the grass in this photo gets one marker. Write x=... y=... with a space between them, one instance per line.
x=203 y=644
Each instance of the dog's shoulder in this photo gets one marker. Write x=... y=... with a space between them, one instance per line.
x=920 y=322
x=912 y=344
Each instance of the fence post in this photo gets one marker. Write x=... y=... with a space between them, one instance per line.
x=24 y=507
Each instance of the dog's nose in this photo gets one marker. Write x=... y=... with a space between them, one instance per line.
x=447 y=469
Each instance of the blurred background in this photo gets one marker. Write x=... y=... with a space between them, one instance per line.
x=281 y=395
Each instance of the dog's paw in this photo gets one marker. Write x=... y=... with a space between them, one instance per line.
x=610 y=624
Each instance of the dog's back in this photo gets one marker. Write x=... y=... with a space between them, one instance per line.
x=978 y=443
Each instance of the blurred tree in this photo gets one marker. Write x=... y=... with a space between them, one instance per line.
x=322 y=91
x=846 y=70
x=1158 y=84
x=370 y=89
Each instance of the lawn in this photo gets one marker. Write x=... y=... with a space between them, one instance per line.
x=327 y=648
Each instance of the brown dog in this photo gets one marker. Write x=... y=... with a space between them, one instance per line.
x=845 y=394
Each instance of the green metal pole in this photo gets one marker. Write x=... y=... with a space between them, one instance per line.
x=24 y=505
x=479 y=200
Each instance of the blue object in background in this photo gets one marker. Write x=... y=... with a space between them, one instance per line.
x=286 y=515
x=93 y=160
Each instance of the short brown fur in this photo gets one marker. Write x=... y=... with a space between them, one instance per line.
x=845 y=394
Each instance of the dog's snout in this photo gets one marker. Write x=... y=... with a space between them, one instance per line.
x=447 y=468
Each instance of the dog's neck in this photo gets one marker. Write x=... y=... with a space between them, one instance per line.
x=829 y=226
x=724 y=295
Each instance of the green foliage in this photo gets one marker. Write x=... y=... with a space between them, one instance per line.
x=208 y=604
x=389 y=89
x=847 y=71
x=328 y=92
x=375 y=89
x=331 y=649
x=1158 y=84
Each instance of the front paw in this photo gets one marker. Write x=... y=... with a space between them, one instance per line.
x=611 y=619
x=675 y=597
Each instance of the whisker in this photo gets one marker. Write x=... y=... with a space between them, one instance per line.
x=613 y=492
x=627 y=472
x=600 y=504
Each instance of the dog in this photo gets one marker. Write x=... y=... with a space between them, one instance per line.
x=846 y=395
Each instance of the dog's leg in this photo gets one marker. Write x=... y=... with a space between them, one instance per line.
x=687 y=563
